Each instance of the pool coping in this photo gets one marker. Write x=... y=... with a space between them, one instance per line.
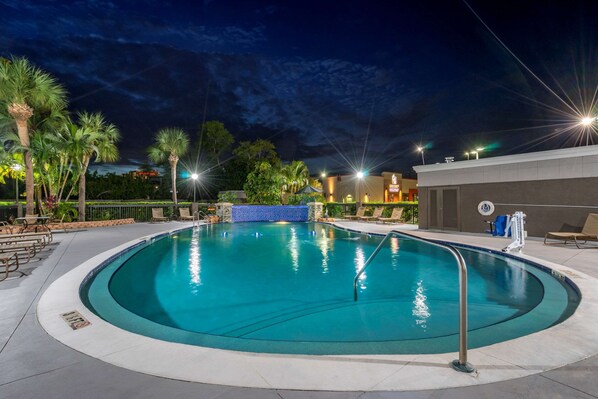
x=570 y=341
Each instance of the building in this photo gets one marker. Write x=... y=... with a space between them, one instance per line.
x=389 y=187
x=555 y=189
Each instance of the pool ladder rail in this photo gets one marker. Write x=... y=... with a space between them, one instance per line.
x=460 y=364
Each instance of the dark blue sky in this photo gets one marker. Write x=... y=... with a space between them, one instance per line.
x=328 y=82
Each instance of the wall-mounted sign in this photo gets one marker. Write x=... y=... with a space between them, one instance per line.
x=394 y=179
x=486 y=208
x=393 y=188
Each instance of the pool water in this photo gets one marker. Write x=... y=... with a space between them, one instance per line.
x=288 y=288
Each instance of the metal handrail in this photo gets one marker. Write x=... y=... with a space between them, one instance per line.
x=460 y=364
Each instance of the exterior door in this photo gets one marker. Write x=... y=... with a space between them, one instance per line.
x=443 y=210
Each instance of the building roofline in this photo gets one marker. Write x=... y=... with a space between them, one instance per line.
x=574 y=152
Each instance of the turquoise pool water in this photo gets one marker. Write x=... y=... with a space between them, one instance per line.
x=288 y=288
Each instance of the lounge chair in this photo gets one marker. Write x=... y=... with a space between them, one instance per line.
x=185 y=214
x=360 y=213
x=10 y=262
x=158 y=215
x=377 y=213
x=45 y=236
x=24 y=252
x=589 y=232
x=6 y=227
x=395 y=216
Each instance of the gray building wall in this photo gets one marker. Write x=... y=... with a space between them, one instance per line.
x=556 y=189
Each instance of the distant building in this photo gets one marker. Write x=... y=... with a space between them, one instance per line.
x=145 y=174
x=389 y=187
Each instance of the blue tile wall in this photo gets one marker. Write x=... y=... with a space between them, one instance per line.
x=265 y=213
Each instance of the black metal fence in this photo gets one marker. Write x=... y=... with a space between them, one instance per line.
x=139 y=212
x=143 y=212
x=339 y=210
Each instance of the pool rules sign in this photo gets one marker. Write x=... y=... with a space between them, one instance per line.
x=75 y=320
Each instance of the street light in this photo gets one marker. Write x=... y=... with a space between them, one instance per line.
x=421 y=149
x=588 y=120
x=359 y=176
x=17 y=168
x=194 y=177
x=477 y=152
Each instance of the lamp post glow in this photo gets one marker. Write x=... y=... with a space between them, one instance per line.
x=17 y=168
x=588 y=120
x=421 y=149
x=194 y=177
x=359 y=176
x=476 y=152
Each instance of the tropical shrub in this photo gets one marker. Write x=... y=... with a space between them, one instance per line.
x=263 y=184
x=228 y=197
x=302 y=199
x=65 y=212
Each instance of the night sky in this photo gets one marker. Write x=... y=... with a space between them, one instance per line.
x=337 y=84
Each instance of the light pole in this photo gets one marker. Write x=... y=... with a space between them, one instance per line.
x=421 y=149
x=359 y=176
x=17 y=168
x=477 y=152
x=194 y=177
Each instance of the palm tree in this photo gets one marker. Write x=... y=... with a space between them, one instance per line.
x=93 y=137
x=25 y=89
x=295 y=176
x=170 y=144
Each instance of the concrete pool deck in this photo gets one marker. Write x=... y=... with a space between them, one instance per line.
x=33 y=364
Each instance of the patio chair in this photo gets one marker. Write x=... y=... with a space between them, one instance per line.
x=375 y=215
x=589 y=232
x=185 y=214
x=360 y=213
x=158 y=215
x=395 y=216
x=10 y=262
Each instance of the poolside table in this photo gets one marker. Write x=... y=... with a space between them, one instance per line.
x=33 y=222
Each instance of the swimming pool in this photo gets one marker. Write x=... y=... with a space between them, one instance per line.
x=287 y=288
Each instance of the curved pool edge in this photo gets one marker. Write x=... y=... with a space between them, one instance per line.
x=570 y=341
